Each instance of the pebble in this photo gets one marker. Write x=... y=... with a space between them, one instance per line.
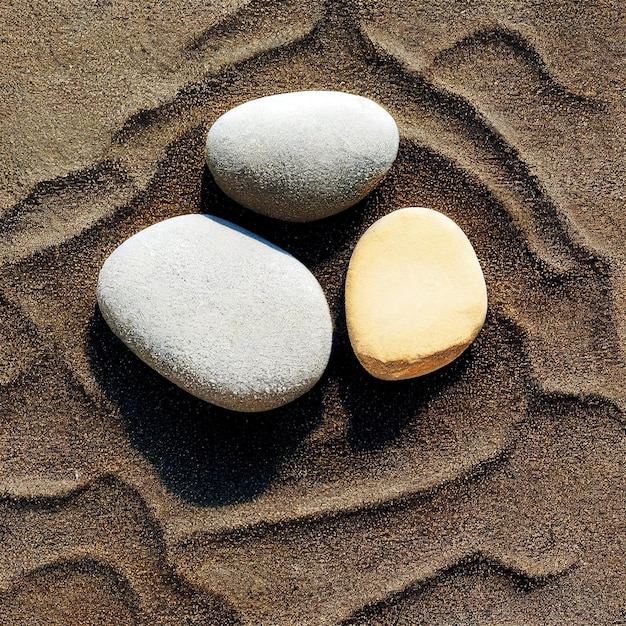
x=415 y=294
x=302 y=156
x=222 y=313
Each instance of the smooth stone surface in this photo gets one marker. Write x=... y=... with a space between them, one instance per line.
x=302 y=156
x=222 y=313
x=415 y=294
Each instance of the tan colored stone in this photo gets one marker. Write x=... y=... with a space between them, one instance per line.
x=415 y=294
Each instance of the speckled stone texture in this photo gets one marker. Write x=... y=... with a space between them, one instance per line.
x=302 y=156
x=220 y=312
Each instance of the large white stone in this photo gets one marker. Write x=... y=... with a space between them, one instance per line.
x=222 y=313
x=302 y=156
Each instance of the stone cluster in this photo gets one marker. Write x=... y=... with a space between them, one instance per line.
x=237 y=321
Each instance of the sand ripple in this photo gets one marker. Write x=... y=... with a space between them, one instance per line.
x=479 y=494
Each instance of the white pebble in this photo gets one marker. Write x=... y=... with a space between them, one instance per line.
x=302 y=156
x=222 y=313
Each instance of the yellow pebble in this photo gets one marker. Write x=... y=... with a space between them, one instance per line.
x=415 y=294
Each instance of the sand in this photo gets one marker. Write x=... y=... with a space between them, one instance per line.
x=490 y=492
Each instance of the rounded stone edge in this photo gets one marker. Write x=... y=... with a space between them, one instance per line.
x=196 y=390
x=302 y=215
x=402 y=369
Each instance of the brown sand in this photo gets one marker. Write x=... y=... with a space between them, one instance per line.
x=490 y=492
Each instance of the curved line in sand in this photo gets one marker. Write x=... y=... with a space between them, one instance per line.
x=464 y=111
x=79 y=564
x=521 y=580
x=467 y=111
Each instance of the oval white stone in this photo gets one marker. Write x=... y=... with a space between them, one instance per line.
x=222 y=313
x=415 y=294
x=302 y=156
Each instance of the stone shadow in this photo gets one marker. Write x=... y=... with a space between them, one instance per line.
x=205 y=454
x=213 y=457
x=378 y=411
x=312 y=243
